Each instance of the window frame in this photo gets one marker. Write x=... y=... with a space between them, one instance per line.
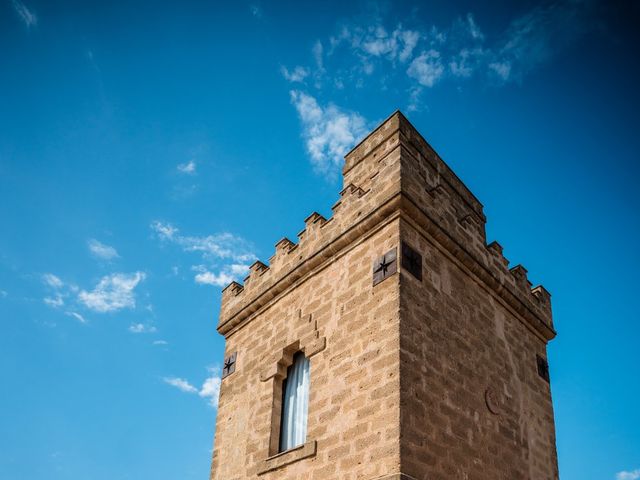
x=299 y=355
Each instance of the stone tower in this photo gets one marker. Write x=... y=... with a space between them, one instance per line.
x=427 y=353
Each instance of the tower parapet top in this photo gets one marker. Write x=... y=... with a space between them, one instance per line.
x=391 y=173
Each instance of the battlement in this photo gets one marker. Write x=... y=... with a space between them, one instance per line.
x=391 y=173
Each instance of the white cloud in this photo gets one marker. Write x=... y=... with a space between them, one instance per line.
x=55 y=302
x=188 y=168
x=27 y=16
x=52 y=280
x=113 y=292
x=329 y=132
x=165 y=231
x=142 y=328
x=77 y=316
x=160 y=342
x=631 y=475
x=426 y=68
x=226 y=275
x=255 y=10
x=210 y=389
x=220 y=279
x=298 y=74
x=501 y=69
x=57 y=299
x=102 y=251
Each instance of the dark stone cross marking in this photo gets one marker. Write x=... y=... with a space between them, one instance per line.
x=385 y=266
x=229 y=365
x=411 y=261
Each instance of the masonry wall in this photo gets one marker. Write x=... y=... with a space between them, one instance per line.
x=431 y=379
x=355 y=390
x=458 y=340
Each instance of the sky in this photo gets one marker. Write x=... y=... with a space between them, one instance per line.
x=151 y=151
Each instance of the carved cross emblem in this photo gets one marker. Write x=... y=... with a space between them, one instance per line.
x=543 y=368
x=229 y=365
x=384 y=266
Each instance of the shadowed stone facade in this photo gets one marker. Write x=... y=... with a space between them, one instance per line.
x=433 y=367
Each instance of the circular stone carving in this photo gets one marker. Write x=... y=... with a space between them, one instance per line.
x=492 y=400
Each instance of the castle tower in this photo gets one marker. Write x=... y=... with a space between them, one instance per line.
x=390 y=342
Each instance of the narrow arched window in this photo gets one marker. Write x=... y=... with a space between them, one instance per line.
x=295 y=403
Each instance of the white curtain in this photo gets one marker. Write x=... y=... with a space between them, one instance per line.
x=295 y=404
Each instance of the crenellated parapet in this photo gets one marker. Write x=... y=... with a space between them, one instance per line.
x=392 y=173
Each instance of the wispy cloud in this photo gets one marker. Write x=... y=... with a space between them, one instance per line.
x=376 y=41
x=255 y=10
x=52 y=280
x=426 y=68
x=225 y=256
x=142 y=328
x=188 y=168
x=222 y=245
x=59 y=291
x=210 y=389
x=181 y=384
x=160 y=342
x=101 y=251
x=630 y=475
x=328 y=131
x=27 y=16
x=535 y=37
x=424 y=56
x=298 y=74
x=112 y=293
x=3 y=293
x=55 y=301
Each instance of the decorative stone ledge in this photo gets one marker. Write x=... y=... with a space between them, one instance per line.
x=287 y=457
x=395 y=476
x=392 y=173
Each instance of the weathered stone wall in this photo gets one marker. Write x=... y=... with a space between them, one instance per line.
x=355 y=390
x=433 y=379
x=458 y=340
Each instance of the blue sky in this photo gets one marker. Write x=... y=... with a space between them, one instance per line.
x=150 y=151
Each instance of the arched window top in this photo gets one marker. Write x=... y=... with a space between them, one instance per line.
x=295 y=403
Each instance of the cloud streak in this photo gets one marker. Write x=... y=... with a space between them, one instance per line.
x=630 y=475
x=101 y=251
x=27 y=16
x=221 y=246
